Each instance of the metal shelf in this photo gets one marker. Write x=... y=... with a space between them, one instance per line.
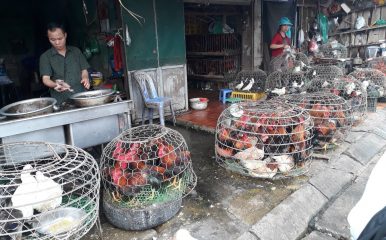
x=212 y=54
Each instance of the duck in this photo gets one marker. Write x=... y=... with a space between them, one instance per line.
x=49 y=196
x=240 y=85
x=249 y=86
x=24 y=197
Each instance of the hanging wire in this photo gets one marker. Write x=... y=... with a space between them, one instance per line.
x=133 y=14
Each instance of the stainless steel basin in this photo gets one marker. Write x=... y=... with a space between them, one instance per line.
x=92 y=98
x=29 y=108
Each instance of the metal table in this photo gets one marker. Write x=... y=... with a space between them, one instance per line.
x=82 y=127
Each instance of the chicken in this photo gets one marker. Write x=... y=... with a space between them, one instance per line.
x=350 y=87
x=24 y=197
x=284 y=162
x=319 y=111
x=240 y=85
x=279 y=91
x=326 y=128
x=250 y=84
x=49 y=196
x=252 y=153
x=167 y=155
x=261 y=169
x=224 y=152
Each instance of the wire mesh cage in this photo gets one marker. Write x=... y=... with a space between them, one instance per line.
x=48 y=191
x=290 y=81
x=146 y=166
x=302 y=57
x=378 y=63
x=213 y=65
x=374 y=81
x=337 y=51
x=252 y=81
x=346 y=87
x=332 y=117
x=267 y=139
x=325 y=71
x=282 y=62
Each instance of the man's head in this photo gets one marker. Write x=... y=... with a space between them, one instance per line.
x=57 y=36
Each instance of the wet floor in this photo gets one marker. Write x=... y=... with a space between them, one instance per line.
x=222 y=206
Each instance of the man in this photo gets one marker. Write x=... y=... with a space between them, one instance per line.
x=63 y=68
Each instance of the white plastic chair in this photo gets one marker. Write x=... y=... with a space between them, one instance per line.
x=150 y=97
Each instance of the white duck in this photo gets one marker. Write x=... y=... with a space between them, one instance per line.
x=50 y=193
x=240 y=85
x=249 y=86
x=24 y=197
x=349 y=88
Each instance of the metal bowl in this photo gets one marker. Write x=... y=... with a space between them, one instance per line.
x=59 y=221
x=29 y=108
x=92 y=98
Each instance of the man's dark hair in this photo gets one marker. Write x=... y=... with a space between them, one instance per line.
x=54 y=25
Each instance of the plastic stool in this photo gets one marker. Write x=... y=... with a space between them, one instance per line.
x=223 y=94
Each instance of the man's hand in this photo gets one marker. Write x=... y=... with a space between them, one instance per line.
x=62 y=86
x=85 y=82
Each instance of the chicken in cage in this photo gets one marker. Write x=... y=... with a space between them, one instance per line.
x=346 y=87
x=325 y=71
x=299 y=56
x=282 y=62
x=48 y=191
x=145 y=169
x=267 y=139
x=291 y=81
x=333 y=50
x=378 y=63
x=374 y=81
x=252 y=81
x=332 y=117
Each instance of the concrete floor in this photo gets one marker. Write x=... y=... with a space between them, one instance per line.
x=223 y=205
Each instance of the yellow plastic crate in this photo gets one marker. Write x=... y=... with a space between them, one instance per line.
x=248 y=96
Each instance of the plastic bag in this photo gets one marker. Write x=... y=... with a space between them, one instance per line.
x=360 y=22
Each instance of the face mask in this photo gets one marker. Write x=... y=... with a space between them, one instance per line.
x=288 y=33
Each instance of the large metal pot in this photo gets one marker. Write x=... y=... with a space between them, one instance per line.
x=29 y=108
x=92 y=98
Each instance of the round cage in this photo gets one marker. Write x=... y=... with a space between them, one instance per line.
x=337 y=51
x=268 y=139
x=290 y=81
x=143 y=168
x=325 y=71
x=252 y=81
x=346 y=87
x=378 y=63
x=282 y=62
x=302 y=57
x=332 y=117
x=48 y=191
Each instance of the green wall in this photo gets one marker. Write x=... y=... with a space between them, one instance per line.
x=142 y=52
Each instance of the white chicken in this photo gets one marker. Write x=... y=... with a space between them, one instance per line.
x=250 y=84
x=279 y=91
x=349 y=88
x=49 y=196
x=250 y=154
x=365 y=84
x=240 y=85
x=325 y=84
x=24 y=197
x=284 y=162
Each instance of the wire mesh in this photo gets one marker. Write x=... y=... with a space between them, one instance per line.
x=372 y=104
x=292 y=80
x=378 y=63
x=302 y=57
x=371 y=77
x=252 y=81
x=282 y=62
x=325 y=71
x=331 y=114
x=48 y=191
x=267 y=139
x=147 y=165
x=338 y=51
x=346 y=87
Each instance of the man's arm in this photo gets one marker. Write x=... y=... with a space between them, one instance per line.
x=48 y=82
x=85 y=81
